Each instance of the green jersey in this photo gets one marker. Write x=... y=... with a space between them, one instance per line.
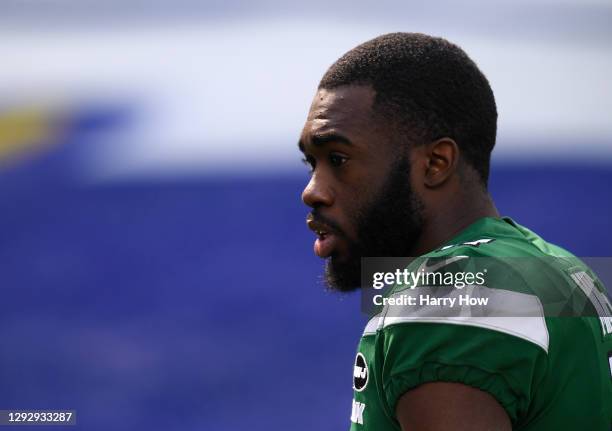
x=548 y=367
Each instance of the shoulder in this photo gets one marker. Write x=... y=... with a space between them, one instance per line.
x=517 y=260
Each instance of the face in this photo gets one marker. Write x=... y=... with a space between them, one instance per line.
x=360 y=188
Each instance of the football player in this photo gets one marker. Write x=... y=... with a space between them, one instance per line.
x=398 y=140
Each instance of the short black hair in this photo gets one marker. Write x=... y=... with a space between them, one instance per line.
x=429 y=87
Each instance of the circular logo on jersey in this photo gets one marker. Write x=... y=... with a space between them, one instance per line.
x=360 y=373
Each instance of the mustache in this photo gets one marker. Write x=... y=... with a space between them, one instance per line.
x=320 y=218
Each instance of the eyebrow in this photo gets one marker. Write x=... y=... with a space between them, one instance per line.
x=321 y=139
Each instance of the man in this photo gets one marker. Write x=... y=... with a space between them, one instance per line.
x=398 y=140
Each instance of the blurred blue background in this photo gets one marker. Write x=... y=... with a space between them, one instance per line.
x=155 y=268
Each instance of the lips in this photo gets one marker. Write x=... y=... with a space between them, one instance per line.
x=326 y=240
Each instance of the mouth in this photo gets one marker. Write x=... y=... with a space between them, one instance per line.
x=326 y=241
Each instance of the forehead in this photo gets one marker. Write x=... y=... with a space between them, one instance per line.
x=346 y=110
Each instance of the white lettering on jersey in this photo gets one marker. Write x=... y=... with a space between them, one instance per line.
x=357 y=412
x=359 y=372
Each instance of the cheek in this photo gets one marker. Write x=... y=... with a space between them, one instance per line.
x=353 y=209
x=356 y=190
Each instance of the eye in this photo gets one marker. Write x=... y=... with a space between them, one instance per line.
x=310 y=162
x=336 y=159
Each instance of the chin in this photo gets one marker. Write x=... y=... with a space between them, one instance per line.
x=343 y=275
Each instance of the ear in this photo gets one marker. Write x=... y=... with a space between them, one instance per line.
x=442 y=159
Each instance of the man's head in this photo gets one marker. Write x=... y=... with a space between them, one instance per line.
x=399 y=125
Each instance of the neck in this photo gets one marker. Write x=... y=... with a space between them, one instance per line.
x=446 y=221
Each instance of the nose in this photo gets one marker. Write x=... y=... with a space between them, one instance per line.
x=317 y=193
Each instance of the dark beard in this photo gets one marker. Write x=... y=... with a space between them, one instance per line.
x=388 y=226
